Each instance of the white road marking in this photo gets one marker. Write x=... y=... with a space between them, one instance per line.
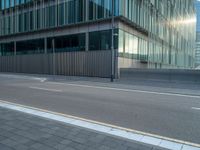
x=129 y=134
x=195 y=108
x=40 y=79
x=23 y=77
x=126 y=90
x=45 y=89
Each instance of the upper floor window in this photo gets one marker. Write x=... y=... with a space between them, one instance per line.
x=12 y=3
x=2 y=4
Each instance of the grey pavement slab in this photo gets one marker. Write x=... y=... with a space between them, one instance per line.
x=20 y=131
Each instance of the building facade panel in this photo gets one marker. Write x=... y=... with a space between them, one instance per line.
x=197 y=54
x=91 y=63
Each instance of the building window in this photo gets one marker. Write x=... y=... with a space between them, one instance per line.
x=12 y=3
x=7 y=49
x=69 y=43
x=100 y=9
x=2 y=5
x=30 y=47
x=129 y=46
x=61 y=14
x=100 y=40
x=7 y=3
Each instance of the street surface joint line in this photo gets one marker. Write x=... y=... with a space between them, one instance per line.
x=45 y=89
x=126 y=90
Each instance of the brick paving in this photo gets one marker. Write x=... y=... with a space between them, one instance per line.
x=20 y=131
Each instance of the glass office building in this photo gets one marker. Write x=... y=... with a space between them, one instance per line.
x=197 y=64
x=148 y=33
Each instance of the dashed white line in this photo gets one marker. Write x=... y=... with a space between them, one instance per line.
x=23 y=77
x=195 y=108
x=45 y=89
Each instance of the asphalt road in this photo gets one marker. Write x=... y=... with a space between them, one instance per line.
x=170 y=115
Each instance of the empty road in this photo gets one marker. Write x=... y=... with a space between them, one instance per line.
x=166 y=114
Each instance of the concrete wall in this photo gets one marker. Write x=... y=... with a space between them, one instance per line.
x=87 y=63
x=131 y=63
x=168 y=75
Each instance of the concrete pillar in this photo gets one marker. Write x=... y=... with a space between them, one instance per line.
x=54 y=58
x=15 y=48
x=87 y=10
x=87 y=33
x=87 y=41
x=45 y=45
x=15 y=59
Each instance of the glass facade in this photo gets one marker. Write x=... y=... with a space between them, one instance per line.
x=166 y=28
x=68 y=43
x=198 y=35
x=53 y=13
x=170 y=25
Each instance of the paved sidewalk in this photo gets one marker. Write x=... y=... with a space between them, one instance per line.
x=20 y=131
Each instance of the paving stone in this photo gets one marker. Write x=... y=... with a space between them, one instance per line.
x=50 y=143
x=60 y=147
x=36 y=145
x=21 y=147
x=9 y=142
x=103 y=147
x=65 y=142
x=4 y=147
x=77 y=146
x=2 y=138
x=30 y=142
x=20 y=131
x=69 y=148
x=44 y=147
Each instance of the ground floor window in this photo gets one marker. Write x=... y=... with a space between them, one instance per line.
x=129 y=45
x=67 y=43
x=101 y=40
x=7 y=49
x=30 y=47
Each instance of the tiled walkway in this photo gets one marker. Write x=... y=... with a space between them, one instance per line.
x=19 y=131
